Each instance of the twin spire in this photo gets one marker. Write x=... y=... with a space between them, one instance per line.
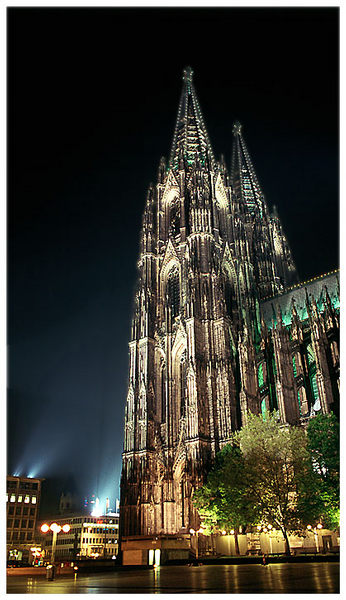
x=191 y=144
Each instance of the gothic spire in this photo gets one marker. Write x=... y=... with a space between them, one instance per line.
x=190 y=134
x=243 y=176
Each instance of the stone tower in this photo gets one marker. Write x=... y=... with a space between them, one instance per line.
x=201 y=353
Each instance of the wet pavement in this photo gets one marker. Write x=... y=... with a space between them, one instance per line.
x=320 y=578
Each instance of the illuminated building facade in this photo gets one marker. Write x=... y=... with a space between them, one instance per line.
x=22 y=501
x=221 y=326
x=89 y=537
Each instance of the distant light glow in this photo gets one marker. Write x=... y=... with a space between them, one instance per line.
x=97 y=511
x=55 y=527
x=44 y=528
x=66 y=528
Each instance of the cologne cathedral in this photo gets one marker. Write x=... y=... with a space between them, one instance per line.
x=221 y=326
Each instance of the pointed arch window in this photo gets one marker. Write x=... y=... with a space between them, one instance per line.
x=228 y=297
x=173 y=292
x=175 y=217
x=260 y=375
x=163 y=394
x=312 y=373
x=263 y=409
x=294 y=361
x=182 y=377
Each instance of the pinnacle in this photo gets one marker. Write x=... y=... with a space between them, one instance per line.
x=187 y=74
x=190 y=136
x=237 y=127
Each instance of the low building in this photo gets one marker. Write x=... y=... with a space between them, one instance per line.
x=88 y=537
x=22 y=501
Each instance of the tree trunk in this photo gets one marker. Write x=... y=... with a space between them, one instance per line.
x=236 y=543
x=288 y=549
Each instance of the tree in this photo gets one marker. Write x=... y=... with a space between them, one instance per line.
x=263 y=477
x=323 y=445
x=222 y=502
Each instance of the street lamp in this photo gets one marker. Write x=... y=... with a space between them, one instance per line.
x=55 y=528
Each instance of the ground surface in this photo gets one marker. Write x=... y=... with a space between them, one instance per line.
x=212 y=579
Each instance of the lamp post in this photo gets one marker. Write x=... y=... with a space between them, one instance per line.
x=315 y=532
x=55 y=528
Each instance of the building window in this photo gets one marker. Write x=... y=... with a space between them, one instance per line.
x=173 y=292
x=12 y=498
x=20 y=499
x=29 y=535
x=25 y=510
x=18 y=510
x=9 y=523
x=11 y=510
x=31 y=524
x=33 y=500
x=24 y=523
x=182 y=384
x=300 y=402
x=32 y=511
x=27 y=499
x=228 y=297
x=294 y=366
x=260 y=375
x=16 y=523
x=163 y=394
x=314 y=387
x=263 y=409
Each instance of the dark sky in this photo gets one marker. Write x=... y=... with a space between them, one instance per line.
x=92 y=100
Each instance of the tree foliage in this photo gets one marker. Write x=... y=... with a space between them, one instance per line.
x=323 y=444
x=265 y=476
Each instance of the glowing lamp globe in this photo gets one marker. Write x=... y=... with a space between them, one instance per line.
x=44 y=528
x=319 y=526
x=66 y=528
x=55 y=528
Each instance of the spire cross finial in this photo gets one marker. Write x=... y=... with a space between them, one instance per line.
x=187 y=75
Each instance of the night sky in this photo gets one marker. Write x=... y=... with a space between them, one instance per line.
x=92 y=100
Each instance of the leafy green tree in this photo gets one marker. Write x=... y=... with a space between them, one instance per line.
x=323 y=444
x=282 y=484
x=222 y=501
x=264 y=477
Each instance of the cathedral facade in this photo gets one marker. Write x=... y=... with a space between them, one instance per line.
x=221 y=326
